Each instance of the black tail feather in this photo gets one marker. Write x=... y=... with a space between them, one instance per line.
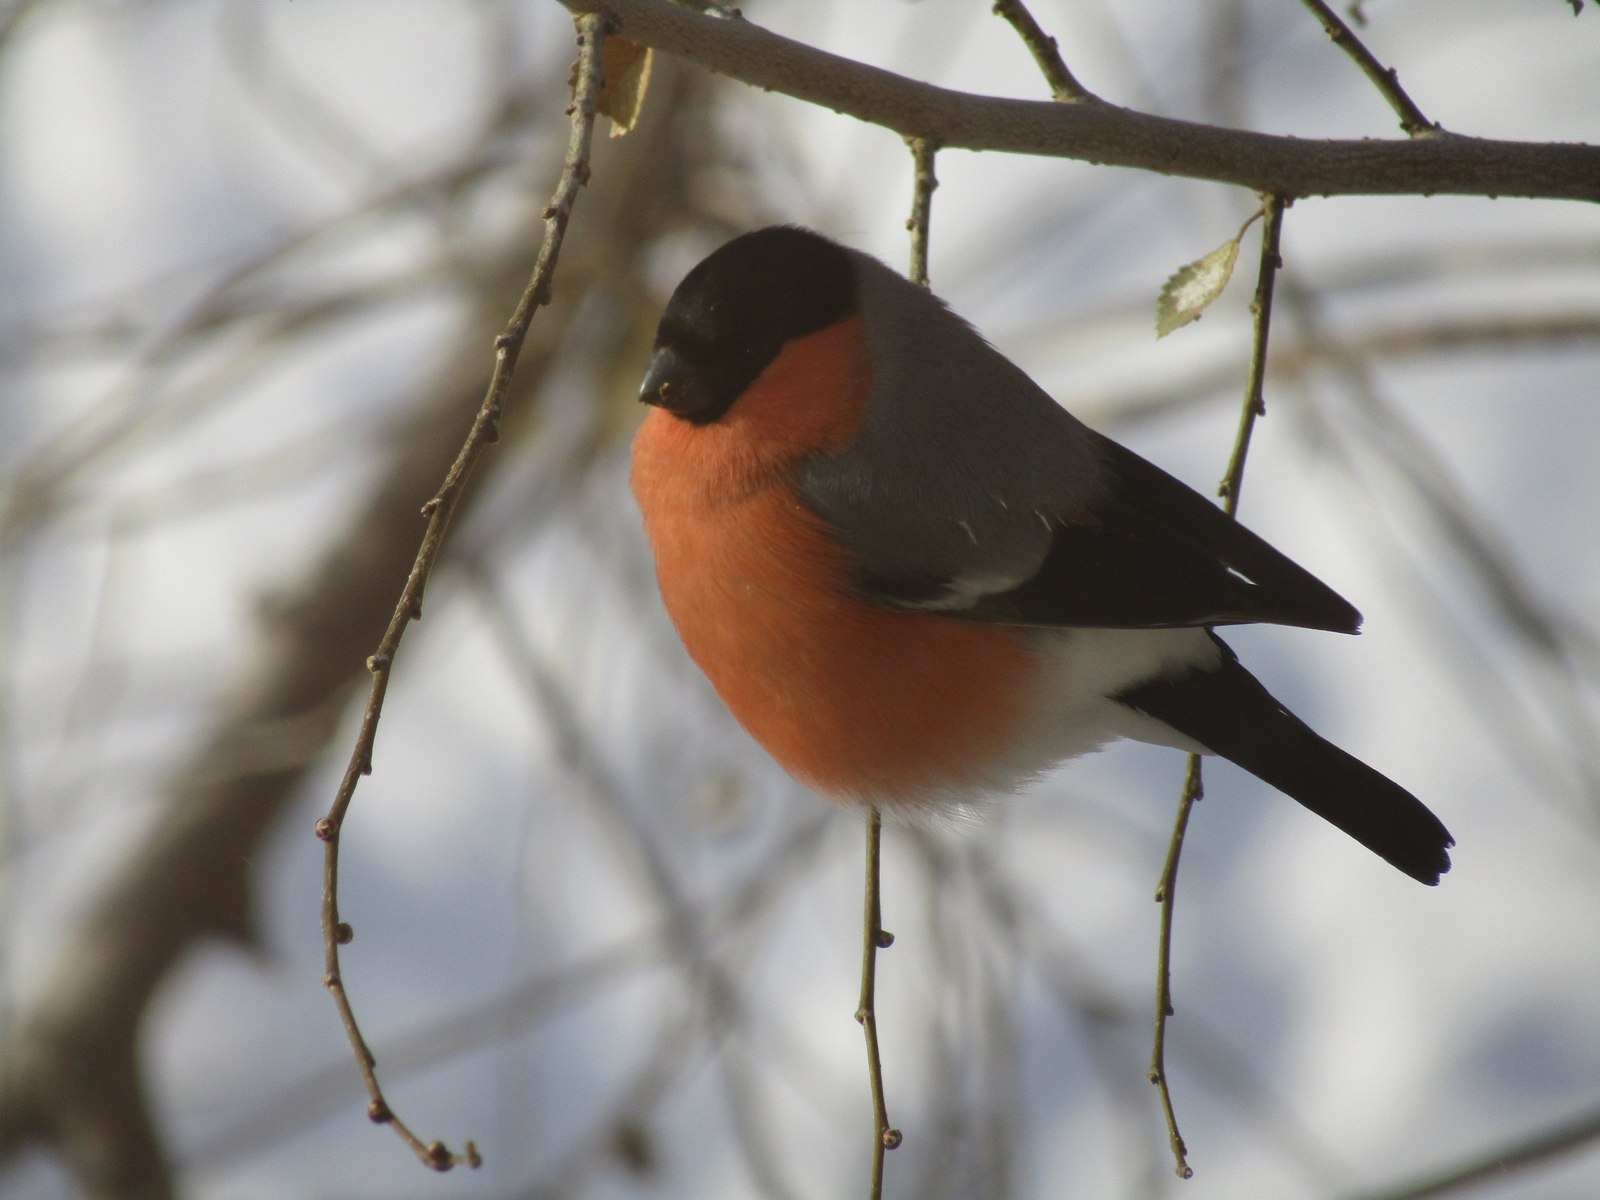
x=1232 y=715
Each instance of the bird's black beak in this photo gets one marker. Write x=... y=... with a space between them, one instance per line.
x=657 y=382
x=673 y=384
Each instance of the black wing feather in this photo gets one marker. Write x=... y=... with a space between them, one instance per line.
x=1149 y=552
x=1227 y=711
x=1155 y=553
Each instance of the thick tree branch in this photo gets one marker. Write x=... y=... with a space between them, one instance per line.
x=1097 y=132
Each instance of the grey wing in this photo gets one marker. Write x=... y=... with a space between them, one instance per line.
x=952 y=501
x=947 y=496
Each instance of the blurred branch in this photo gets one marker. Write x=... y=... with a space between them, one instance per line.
x=70 y=1070
x=587 y=979
x=439 y=510
x=1089 y=1006
x=1514 y=714
x=974 y=1116
x=1570 y=645
x=1299 y=357
x=270 y=82
x=261 y=301
x=1098 y=132
x=11 y=14
x=622 y=1133
x=69 y=1065
x=714 y=989
x=148 y=404
x=1096 y=1011
x=1495 y=1165
x=1522 y=330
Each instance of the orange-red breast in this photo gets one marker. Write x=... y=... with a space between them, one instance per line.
x=917 y=580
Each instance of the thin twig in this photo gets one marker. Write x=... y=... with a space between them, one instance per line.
x=588 y=978
x=1255 y=404
x=923 y=152
x=874 y=937
x=1386 y=80
x=1166 y=893
x=1193 y=788
x=1063 y=86
x=438 y=511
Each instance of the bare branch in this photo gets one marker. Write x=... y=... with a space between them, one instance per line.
x=918 y=224
x=1193 y=788
x=1166 y=895
x=1094 y=131
x=1386 y=80
x=1063 y=86
x=874 y=938
x=1255 y=404
x=439 y=510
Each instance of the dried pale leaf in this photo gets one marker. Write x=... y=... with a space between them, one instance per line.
x=624 y=79
x=1193 y=287
x=625 y=68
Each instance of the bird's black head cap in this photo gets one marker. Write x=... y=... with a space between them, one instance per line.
x=735 y=311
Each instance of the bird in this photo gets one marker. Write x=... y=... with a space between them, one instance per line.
x=920 y=583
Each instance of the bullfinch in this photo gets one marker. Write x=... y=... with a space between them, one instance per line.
x=918 y=581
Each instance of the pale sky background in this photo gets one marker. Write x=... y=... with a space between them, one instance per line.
x=1338 y=1027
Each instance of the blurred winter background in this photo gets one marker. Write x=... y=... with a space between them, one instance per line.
x=252 y=258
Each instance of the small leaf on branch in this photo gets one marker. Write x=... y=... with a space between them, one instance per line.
x=625 y=77
x=1193 y=286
